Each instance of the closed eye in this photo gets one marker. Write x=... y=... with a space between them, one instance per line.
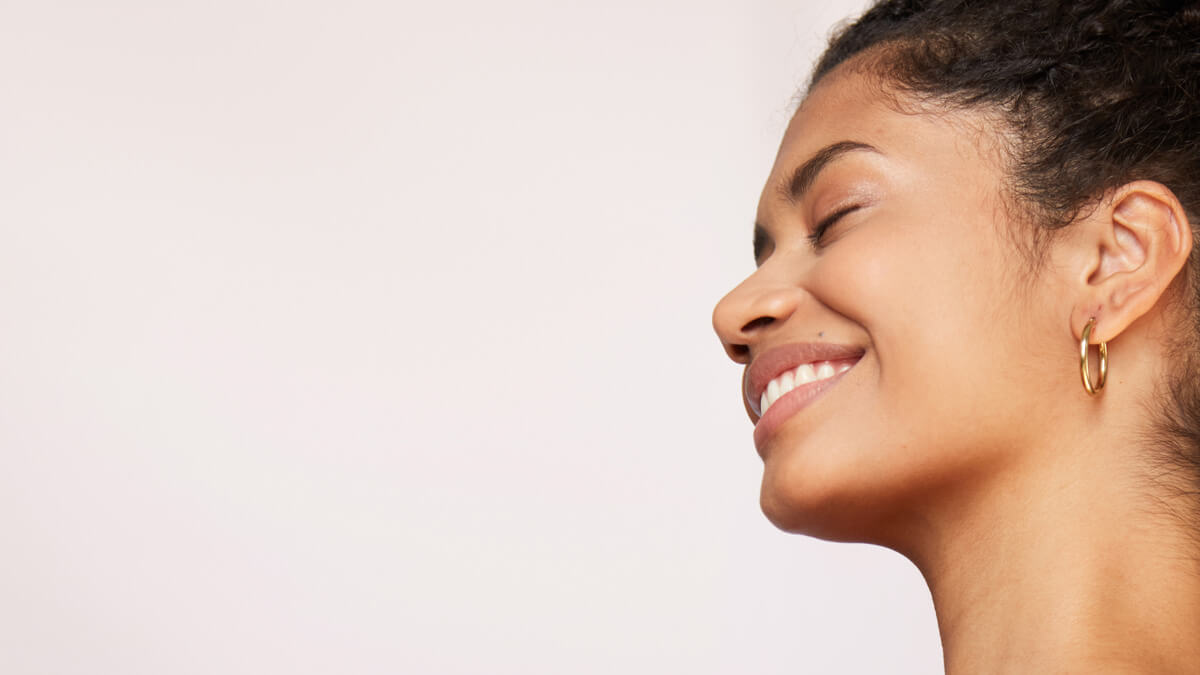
x=814 y=238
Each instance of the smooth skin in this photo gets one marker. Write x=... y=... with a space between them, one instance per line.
x=1040 y=516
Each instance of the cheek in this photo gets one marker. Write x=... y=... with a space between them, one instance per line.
x=900 y=287
x=927 y=310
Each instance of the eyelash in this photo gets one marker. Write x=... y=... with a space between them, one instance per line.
x=819 y=231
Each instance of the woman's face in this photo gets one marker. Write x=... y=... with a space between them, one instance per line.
x=910 y=311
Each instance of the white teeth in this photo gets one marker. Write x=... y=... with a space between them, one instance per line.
x=773 y=391
x=805 y=374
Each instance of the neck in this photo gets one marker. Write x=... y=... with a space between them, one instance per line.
x=1040 y=574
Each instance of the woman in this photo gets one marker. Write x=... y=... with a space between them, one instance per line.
x=970 y=200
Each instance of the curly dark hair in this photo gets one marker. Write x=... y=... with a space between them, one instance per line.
x=1092 y=94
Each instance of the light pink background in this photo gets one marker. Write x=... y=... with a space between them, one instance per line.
x=366 y=337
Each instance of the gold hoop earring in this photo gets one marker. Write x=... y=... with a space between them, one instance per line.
x=1083 y=360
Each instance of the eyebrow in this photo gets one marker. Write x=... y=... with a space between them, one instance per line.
x=805 y=174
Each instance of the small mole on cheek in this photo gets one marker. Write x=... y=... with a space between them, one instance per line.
x=821 y=334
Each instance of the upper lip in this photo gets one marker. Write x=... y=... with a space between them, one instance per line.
x=777 y=361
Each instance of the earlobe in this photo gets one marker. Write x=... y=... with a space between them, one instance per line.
x=1140 y=240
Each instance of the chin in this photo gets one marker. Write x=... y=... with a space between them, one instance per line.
x=832 y=502
x=803 y=503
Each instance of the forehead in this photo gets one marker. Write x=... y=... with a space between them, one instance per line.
x=923 y=145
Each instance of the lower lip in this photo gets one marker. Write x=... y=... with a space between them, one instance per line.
x=788 y=405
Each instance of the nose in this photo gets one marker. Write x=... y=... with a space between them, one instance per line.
x=749 y=311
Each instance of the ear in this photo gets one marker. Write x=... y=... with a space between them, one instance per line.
x=1128 y=251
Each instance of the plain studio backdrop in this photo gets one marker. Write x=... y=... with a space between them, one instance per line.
x=366 y=337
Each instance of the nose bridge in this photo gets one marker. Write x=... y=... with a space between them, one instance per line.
x=748 y=311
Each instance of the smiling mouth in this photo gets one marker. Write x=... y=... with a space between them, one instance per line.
x=795 y=367
x=795 y=389
x=805 y=374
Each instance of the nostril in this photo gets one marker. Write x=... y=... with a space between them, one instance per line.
x=760 y=322
x=740 y=351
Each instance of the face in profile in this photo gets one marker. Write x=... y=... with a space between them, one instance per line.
x=883 y=320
